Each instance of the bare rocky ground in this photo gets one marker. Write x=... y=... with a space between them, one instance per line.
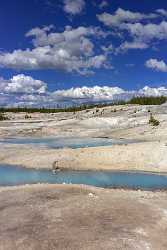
x=49 y=217
x=128 y=122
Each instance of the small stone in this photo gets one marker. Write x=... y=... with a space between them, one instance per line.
x=90 y=194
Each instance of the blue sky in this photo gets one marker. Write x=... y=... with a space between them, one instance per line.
x=50 y=46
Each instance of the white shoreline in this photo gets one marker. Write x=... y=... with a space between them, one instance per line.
x=130 y=157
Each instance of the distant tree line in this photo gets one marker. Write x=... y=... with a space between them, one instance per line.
x=140 y=100
x=152 y=100
x=57 y=110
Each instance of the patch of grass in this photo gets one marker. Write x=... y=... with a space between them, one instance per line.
x=3 y=117
x=153 y=121
x=27 y=116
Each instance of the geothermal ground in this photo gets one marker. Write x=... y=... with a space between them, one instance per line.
x=78 y=217
x=49 y=217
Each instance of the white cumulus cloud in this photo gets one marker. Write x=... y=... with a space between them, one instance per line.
x=131 y=45
x=122 y=16
x=162 y=12
x=95 y=93
x=140 y=27
x=22 y=84
x=148 y=31
x=74 y=7
x=103 y=4
x=23 y=90
x=70 y=50
x=149 y=91
x=156 y=65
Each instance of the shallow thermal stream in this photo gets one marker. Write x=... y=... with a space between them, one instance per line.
x=12 y=175
x=57 y=142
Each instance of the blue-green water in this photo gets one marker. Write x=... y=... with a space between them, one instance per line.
x=11 y=175
x=56 y=142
